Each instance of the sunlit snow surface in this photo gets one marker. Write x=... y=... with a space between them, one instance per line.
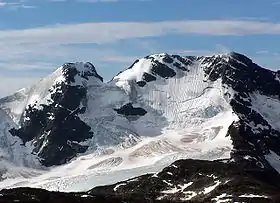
x=274 y=160
x=187 y=118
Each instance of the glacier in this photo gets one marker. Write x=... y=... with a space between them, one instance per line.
x=188 y=116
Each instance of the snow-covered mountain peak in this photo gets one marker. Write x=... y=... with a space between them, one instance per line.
x=156 y=67
x=74 y=72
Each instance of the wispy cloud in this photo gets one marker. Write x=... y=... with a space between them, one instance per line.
x=15 y=5
x=262 y=52
x=47 y=44
x=119 y=59
x=219 y=49
x=252 y=18
x=42 y=48
x=192 y=52
x=111 y=31
x=15 y=83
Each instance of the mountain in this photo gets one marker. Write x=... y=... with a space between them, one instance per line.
x=219 y=113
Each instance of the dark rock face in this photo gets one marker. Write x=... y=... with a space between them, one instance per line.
x=148 y=77
x=129 y=110
x=141 y=83
x=167 y=59
x=162 y=70
x=178 y=65
x=55 y=129
x=186 y=61
x=242 y=74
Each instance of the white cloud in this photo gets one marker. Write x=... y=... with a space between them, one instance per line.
x=119 y=59
x=48 y=42
x=262 y=52
x=111 y=31
x=9 y=85
x=15 y=5
x=222 y=48
x=252 y=18
x=3 y=4
x=193 y=52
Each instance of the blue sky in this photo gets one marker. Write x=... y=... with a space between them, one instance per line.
x=37 y=36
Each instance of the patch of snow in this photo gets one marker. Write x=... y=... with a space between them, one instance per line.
x=162 y=197
x=247 y=157
x=274 y=160
x=132 y=180
x=173 y=165
x=212 y=176
x=155 y=175
x=222 y=198
x=254 y=196
x=268 y=107
x=277 y=78
x=85 y=196
x=179 y=188
x=183 y=187
x=226 y=181
x=117 y=186
x=167 y=183
x=211 y=188
x=171 y=191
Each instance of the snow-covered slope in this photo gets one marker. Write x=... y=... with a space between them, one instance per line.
x=162 y=108
x=14 y=157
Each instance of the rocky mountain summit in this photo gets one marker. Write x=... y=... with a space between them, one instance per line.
x=210 y=124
